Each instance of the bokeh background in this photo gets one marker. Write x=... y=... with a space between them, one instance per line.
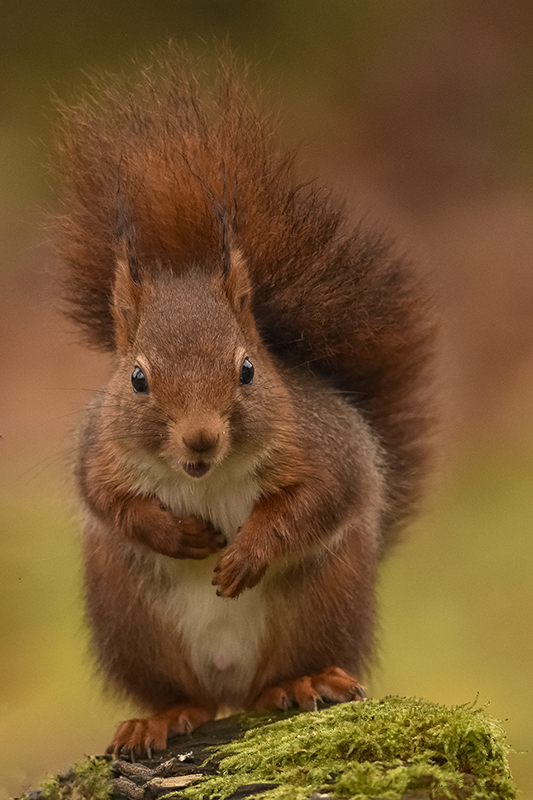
x=421 y=114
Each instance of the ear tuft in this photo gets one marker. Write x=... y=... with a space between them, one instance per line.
x=237 y=283
x=126 y=302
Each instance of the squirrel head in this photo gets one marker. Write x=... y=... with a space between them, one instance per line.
x=194 y=382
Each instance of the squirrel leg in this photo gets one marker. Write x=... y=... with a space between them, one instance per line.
x=332 y=683
x=141 y=736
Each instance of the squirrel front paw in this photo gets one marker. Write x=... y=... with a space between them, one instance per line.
x=188 y=537
x=176 y=537
x=237 y=571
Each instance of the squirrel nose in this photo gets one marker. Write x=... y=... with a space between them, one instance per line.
x=201 y=441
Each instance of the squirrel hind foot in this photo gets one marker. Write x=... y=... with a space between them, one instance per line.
x=140 y=737
x=332 y=683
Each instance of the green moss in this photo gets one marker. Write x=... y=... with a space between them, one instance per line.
x=376 y=748
x=88 y=780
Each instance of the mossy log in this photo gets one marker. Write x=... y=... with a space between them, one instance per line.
x=391 y=749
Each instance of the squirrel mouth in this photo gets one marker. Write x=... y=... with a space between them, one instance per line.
x=196 y=469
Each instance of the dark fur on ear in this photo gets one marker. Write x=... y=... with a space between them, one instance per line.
x=237 y=284
x=125 y=234
x=127 y=293
x=129 y=276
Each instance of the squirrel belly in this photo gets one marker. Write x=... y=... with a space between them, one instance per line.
x=220 y=639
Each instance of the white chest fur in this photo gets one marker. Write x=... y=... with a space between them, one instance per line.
x=222 y=636
x=224 y=497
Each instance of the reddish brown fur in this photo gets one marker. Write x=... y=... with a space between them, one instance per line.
x=187 y=244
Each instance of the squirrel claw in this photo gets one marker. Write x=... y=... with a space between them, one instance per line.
x=233 y=574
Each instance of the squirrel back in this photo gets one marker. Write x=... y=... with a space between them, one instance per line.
x=176 y=173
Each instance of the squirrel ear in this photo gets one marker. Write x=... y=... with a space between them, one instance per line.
x=237 y=283
x=126 y=302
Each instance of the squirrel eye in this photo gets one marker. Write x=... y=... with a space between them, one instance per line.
x=138 y=381
x=247 y=372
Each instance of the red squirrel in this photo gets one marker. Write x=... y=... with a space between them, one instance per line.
x=266 y=426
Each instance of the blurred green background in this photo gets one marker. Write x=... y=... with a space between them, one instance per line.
x=421 y=114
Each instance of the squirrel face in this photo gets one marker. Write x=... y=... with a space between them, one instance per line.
x=194 y=385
